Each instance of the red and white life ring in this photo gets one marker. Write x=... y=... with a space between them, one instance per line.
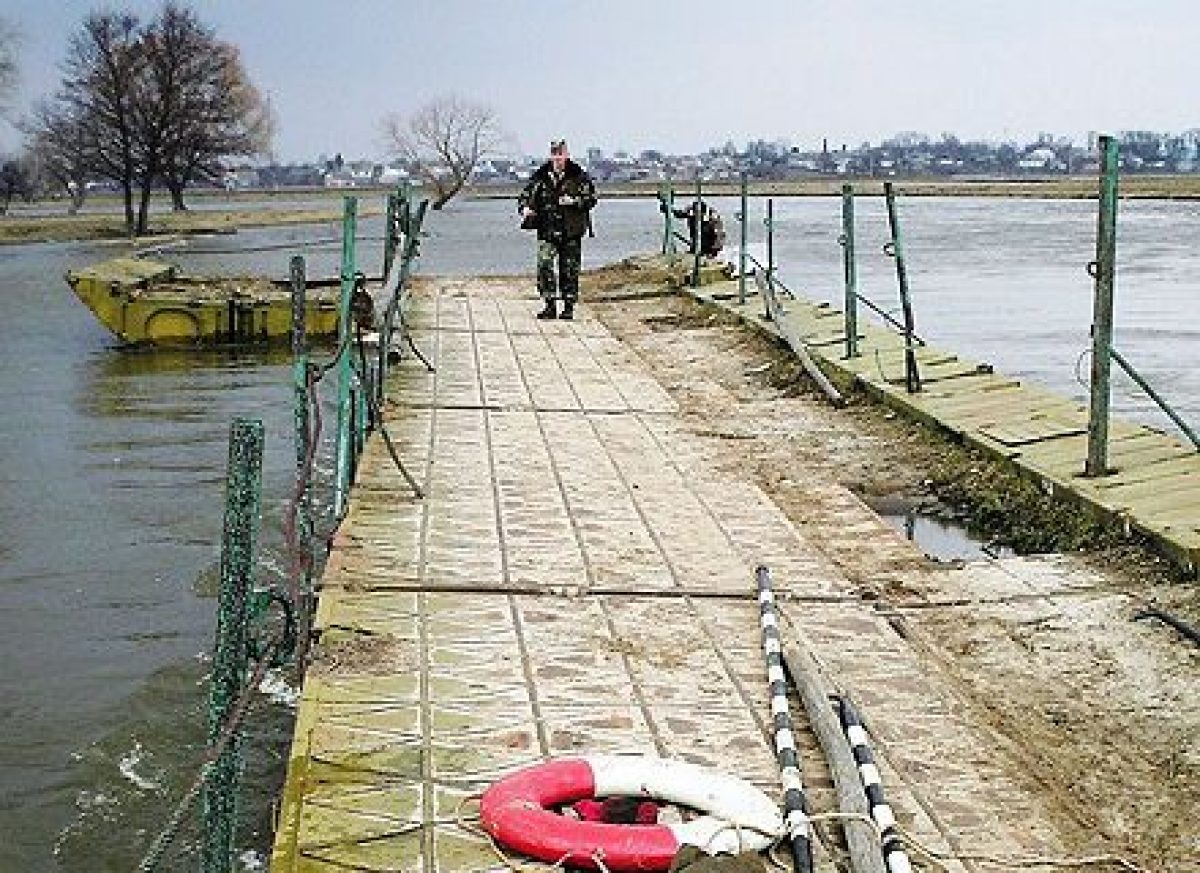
x=517 y=812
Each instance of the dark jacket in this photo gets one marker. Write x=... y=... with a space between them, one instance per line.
x=712 y=230
x=554 y=221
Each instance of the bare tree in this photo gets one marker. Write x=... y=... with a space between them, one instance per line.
x=224 y=116
x=102 y=73
x=197 y=107
x=443 y=142
x=10 y=40
x=14 y=181
x=149 y=104
x=59 y=146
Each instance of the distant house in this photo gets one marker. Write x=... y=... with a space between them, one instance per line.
x=362 y=172
x=1040 y=159
x=291 y=175
x=392 y=175
x=241 y=178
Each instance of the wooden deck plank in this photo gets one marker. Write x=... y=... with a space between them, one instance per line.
x=1038 y=432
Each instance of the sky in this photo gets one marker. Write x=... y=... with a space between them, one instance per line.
x=683 y=76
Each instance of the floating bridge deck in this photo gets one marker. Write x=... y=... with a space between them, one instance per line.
x=1155 y=486
x=579 y=579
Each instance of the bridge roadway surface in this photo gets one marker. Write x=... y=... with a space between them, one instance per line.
x=578 y=580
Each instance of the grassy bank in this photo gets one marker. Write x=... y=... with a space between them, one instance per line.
x=18 y=228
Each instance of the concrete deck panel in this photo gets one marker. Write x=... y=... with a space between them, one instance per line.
x=579 y=580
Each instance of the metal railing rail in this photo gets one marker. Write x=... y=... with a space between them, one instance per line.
x=775 y=313
x=888 y=317
x=1145 y=385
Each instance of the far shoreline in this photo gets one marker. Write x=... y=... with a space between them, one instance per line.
x=107 y=223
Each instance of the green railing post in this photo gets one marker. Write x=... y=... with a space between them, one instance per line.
x=404 y=192
x=744 y=218
x=849 y=271
x=1103 y=270
x=243 y=491
x=912 y=376
x=666 y=196
x=302 y=522
x=355 y=433
x=696 y=232
x=390 y=221
x=342 y=453
x=769 y=223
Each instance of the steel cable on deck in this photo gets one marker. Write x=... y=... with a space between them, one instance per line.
x=1178 y=624
x=299 y=561
x=376 y=411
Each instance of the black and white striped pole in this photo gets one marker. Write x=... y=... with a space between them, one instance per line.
x=795 y=806
x=881 y=811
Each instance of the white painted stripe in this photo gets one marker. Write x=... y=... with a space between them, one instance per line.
x=897 y=862
x=773 y=646
x=883 y=815
x=857 y=736
x=792 y=783
x=785 y=739
x=770 y=620
x=765 y=595
x=869 y=774
x=797 y=824
x=775 y=674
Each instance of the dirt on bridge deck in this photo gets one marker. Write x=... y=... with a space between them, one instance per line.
x=1098 y=711
x=579 y=579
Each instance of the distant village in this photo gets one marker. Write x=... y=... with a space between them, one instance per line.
x=906 y=154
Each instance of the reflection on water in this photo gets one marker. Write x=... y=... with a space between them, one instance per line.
x=112 y=463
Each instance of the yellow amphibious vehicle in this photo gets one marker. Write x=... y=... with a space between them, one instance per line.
x=151 y=303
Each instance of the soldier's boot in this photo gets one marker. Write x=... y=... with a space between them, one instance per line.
x=568 y=313
x=549 y=311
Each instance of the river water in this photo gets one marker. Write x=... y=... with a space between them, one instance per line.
x=112 y=464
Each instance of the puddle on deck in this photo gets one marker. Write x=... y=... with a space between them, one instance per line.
x=934 y=529
x=943 y=539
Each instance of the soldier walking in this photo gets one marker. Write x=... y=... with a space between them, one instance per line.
x=557 y=201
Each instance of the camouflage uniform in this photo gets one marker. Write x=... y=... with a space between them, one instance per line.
x=560 y=228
